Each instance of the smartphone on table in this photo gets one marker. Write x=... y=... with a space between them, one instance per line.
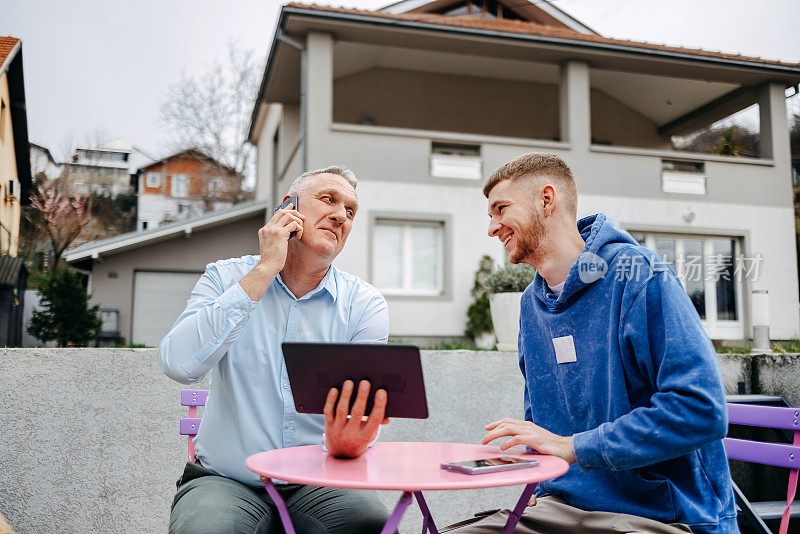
x=293 y=201
x=490 y=465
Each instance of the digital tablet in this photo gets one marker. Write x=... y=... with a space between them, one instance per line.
x=315 y=368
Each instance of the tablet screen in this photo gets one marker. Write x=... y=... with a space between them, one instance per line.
x=314 y=368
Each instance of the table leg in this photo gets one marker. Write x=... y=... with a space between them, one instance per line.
x=394 y=520
x=282 y=511
x=427 y=519
x=516 y=514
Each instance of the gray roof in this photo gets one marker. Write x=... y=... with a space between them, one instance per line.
x=131 y=240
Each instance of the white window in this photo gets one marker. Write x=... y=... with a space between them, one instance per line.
x=408 y=257
x=153 y=179
x=683 y=177
x=180 y=185
x=712 y=270
x=215 y=186
x=456 y=161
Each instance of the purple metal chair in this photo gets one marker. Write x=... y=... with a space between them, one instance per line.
x=775 y=454
x=188 y=426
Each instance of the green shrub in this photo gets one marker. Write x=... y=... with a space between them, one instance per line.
x=510 y=278
x=65 y=315
x=479 y=317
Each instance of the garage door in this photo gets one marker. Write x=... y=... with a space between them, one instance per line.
x=158 y=299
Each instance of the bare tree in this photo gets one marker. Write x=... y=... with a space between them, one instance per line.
x=210 y=112
x=59 y=214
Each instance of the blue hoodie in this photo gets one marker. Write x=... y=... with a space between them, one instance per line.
x=642 y=398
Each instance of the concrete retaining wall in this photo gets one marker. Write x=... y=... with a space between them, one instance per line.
x=89 y=443
x=89 y=440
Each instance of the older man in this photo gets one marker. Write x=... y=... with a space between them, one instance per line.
x=621 y=380
x=239 y=313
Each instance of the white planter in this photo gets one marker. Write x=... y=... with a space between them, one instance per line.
x=505 y=318
x=485 y=340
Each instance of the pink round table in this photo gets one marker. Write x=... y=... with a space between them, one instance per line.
x=410 y=467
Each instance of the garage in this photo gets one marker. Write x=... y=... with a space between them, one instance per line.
x=159 y=297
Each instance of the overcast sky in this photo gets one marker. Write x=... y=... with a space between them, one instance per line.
x=104 y=66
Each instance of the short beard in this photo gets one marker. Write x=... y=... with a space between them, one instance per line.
x=529 y=242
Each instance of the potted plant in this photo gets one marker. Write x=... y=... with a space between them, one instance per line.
x=505 y=287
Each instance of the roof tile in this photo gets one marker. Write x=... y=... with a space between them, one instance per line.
x=532 y=28
x=7 y=44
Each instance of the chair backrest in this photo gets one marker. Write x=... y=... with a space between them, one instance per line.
x=188 y=426
x=776 y=454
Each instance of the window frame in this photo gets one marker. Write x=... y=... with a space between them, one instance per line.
x=172 y=189
x=409 y=219
x=156 y=177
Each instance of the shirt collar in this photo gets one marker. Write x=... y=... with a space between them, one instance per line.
x=328 y=284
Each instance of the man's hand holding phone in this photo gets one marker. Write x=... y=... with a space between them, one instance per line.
x=273 y=246
x=349 y=437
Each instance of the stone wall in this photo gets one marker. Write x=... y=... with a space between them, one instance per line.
x=89 y=437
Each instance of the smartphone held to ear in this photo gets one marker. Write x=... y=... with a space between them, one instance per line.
x=293 y=201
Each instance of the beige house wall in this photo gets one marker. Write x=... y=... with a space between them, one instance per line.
x=9 y=208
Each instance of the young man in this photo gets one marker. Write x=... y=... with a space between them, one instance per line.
x=239 y=313
x=621 y=380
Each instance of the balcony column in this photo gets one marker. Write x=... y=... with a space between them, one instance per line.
x=319 y=98
x=575 y=119
x=774 y=125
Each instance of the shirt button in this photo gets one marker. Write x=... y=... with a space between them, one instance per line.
x=287 y=425
x=286 y=385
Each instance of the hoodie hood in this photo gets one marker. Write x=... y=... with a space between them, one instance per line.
x=603 y=243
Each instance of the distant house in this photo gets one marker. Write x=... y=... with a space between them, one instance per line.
x=143 y=279
x=184 y=185
x=15 y=187
x=42 y=162
x=107 y=169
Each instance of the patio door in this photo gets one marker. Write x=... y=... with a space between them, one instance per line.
x=708 y=268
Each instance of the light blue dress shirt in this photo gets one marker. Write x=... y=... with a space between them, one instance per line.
x=250 y=407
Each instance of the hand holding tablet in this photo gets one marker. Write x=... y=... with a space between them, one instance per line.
x=347 y=435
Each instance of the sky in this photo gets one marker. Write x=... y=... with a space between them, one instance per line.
x=102 y=68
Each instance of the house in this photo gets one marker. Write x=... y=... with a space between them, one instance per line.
x=424 y=99
x=107 y=169
x=143 y=279
x=43 y=163
x=183 y=185
x=15 y=187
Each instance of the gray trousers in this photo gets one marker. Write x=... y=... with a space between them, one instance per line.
x=552 y=516
x=208 y=503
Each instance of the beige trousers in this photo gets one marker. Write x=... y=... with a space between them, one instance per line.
x=552 y=516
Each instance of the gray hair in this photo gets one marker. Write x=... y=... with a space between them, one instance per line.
x=300 y=182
